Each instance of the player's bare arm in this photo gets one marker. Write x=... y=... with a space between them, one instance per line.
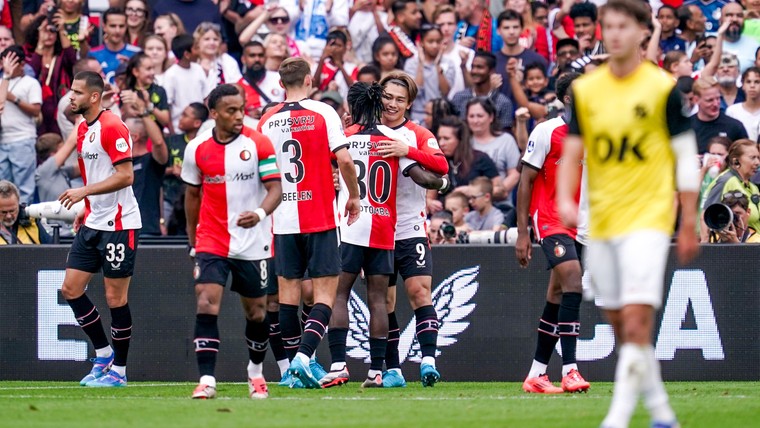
x=250 y=219
x=192 y=210
x=159 y=151
x=121 y=178
x=568 y=177
x=348 y=171
x=523 y=246
x=427 y=179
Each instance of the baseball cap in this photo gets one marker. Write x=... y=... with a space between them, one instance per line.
x=332 y=96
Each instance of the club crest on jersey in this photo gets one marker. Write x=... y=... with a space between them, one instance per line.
x=452 y=300
x=559 y=250
x=121 y=145
x=245 y=155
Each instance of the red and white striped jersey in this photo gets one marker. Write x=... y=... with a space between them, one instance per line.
x=378 y=178
x=232 y=177
x=544 y=153
x=269 y=87
x=410 y=198
x=304 y=135
x=101 y=145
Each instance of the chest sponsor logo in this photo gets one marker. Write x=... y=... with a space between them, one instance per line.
x=228 y=178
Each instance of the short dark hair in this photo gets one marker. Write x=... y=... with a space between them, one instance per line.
x=399 y=6
x=92 y=80
x=113 y=11
x=444 y=215
x=488 y=57
x=564 y=83
x=668 y=7
x=509 y=15
x=568 y=42
x=536 y=66
x=585 y=10
x=685 y=84
x=337 y=35
x=536 y=6
x=200 y=111
x=752 y=69
x=683 y=14
x=370 y=69
x=16 y=49
x=253 y=43
x=221 y=91
x=182 y=43
x=635 y=9
x=293 y=71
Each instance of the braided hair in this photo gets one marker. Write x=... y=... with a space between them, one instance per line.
x=365 y=101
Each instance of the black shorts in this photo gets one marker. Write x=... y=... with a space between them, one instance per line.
x=412 y=258
x=250 y=278
x=561 y=248
x=318 y=252
x=374 y=261
x=273 y=288
x=114 y=252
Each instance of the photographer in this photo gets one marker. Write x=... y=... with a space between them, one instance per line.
x=737 y=232
x=15 y=226
x=743 y=160
x=438 y=223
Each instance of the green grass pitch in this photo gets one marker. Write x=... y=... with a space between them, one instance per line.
x=454 y=404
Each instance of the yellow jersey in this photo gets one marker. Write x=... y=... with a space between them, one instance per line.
x=626 y=125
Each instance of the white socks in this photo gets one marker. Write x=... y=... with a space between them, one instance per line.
x=429 y=360
x=567 y=367
x=121 y=370
x=208 y=380
x=536 y=369
x=283 y=365
x=336 y=367
x=638 y=372
x=255 y=370
x=104 y=352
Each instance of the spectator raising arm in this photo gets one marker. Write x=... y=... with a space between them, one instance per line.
x=712 y=66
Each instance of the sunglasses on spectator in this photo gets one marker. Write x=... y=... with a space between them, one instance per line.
x=738 y=196
x=279 y=20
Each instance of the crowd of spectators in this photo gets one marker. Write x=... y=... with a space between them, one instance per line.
x=486 y=74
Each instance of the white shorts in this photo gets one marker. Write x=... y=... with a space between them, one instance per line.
x=629 y=270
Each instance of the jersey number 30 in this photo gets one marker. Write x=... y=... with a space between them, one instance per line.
x=370 y=180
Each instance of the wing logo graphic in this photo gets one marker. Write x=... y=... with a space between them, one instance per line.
x=452 y=300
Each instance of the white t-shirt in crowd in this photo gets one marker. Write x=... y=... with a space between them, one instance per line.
x=225 y=70
x=751 y=121
x=17 y=125
x=184 y=86
x=363 y=30
x=456 y=60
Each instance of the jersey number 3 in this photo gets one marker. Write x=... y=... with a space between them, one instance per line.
x=294 y=150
